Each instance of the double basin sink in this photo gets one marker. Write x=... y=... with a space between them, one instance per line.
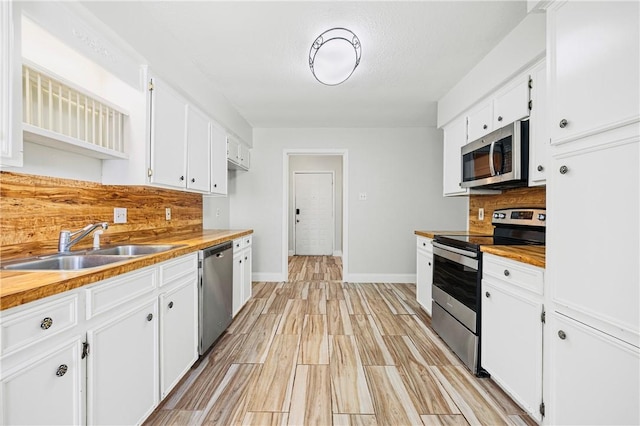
x=74 y=261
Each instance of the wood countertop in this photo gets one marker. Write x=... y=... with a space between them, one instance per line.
x=432 y=234
x=533 y=255
x=19 y=287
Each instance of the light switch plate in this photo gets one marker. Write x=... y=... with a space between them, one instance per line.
x=480 y=213
x=119 y=215
x=167 y=213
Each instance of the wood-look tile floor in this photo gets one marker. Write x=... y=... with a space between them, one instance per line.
x=332 y=353
x=315 y=268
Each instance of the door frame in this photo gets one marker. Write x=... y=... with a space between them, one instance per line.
x=333 y=204
x=286 y=153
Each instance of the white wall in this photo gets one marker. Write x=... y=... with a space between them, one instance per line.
x=318 y=163
x=401 y=171
x=215 y=212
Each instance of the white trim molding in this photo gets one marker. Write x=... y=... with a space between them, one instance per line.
x=382 y=278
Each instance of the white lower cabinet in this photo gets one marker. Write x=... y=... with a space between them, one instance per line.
x=122 y=367
x=424 y=272
x=46 y=389
x=241 y=272
x=106 y=353
x=178 y=333
x=594 y=377
x=512 y=325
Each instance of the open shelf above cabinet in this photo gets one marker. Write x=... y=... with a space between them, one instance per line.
x=58 y=115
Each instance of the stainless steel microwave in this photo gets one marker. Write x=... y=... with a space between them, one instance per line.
x=498 y=160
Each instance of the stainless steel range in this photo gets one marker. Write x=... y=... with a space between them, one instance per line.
x=457 y=272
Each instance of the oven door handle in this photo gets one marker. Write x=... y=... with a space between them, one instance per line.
x=455 y=250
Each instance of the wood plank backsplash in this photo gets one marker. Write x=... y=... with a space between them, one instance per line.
x=34 y=209
x=518 y=197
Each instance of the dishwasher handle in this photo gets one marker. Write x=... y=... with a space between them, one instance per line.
x=217 y=250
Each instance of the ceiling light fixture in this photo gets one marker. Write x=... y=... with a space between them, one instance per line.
x=339 y=57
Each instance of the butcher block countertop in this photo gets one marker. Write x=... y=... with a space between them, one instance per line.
x=432 y=234
x=19 y=287
x=533 y=255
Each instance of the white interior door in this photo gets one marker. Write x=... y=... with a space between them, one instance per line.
x=314 y=207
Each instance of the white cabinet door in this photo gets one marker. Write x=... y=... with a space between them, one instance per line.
x=538 y=127
x=512 y=343
x=237 y=282
x=45 y=390
x=219 y=171
x=198 y=146
x=599 y=190
x=122 y=367
x=424 y=276
x=245 y=157
x=455 y=136
x=178 y=333
x=594 y=53
x=511 y=103
x=480 y=121
x=168 y=132
x=594 y=377
x=10 y=86
x=246 y=274
x=233 y=150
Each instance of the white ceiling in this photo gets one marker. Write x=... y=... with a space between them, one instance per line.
x=256 y=53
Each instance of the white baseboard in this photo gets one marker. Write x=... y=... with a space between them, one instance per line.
x=381 y=278
x=291 y=252
x=267 y=276
x=337 y=253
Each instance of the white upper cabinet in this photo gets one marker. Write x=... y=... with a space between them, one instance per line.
x=594 y=63
x=512 y=102
x=538 y=127
x=455 y=136
x=168 y=111
x=180 y=141
x=238 y=154
x=10 y=116
x=218 y=160
x=480 y=121
x=198 y=146
x=507 y=105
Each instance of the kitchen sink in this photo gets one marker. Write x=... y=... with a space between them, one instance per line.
x=135 y=249
x=66 y=262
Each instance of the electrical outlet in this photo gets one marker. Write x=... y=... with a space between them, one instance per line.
x=167 y=213
x=481 y=214
x=217 y=212
x=119 y=215
x=363 y=196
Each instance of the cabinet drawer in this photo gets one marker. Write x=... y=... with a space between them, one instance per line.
x=237 y=245
x=513 y=273
x=247 y=240
x=175 y=269
x=425 y=244
x=33 y=324
x=110 y=293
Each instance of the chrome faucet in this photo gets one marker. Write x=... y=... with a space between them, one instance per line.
x=65 y=242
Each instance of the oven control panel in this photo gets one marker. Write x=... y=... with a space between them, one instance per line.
x=520 y=216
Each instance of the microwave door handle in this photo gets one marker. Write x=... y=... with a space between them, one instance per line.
x=492 y=167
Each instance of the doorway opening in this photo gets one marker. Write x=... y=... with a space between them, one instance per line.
x=315 y=220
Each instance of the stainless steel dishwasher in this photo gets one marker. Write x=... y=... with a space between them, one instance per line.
x=216 y=290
